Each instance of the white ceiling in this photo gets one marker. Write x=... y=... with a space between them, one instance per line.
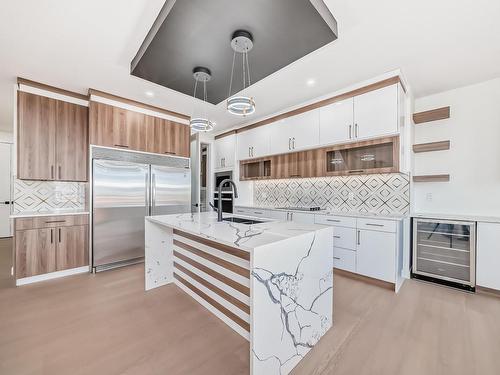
x=438 y=45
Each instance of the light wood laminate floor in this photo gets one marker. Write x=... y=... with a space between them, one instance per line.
x=107 y=324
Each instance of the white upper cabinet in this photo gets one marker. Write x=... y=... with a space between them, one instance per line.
x=295 y=133
x=336 y=122
x=253 y=143
x=305 y=133
x=281 y=136
x=225 y=149
x=371 y=115
x=376 y=113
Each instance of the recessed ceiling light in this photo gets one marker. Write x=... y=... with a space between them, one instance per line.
x=150 y=93
x=311 y=82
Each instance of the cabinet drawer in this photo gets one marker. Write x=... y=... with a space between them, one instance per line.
x=344 y=237
x=376 y=224
x=341 y=221
x=251 y=212
x=344 y=259
x=50 y=221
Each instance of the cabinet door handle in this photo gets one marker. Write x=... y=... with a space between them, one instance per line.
x=59 y=235
x=356 y=171
x=359 y=237
x=51 y=236
x=333 y=220
x=293 y=143
x=59 y=171
x=51 y=171
x=167 y=152
x=252 y=152
x=257 y=212
x=350 y=131
x=356 y=130
x=337 y=258
x=291 y=216
x=336 y=236
x=118 y=145
x=375 y=225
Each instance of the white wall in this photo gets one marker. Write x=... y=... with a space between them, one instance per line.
x=6 y=137
x=473 y=161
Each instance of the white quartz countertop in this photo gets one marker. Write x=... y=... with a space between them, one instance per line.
x=50 y=213
x=441 y=216
x=332 y=213
x=244 y=236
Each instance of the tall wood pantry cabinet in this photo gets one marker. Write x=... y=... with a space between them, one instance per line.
x=52 y=139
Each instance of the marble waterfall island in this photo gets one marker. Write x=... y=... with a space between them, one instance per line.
x=271 y=282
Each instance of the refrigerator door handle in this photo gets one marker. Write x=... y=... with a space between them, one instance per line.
x=153 y=193
x=146 y=193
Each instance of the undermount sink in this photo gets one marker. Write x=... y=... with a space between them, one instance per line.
x=242 y=220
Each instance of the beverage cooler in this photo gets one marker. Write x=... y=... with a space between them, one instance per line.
x=445 y=251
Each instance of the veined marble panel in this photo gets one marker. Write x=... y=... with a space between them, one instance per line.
x=292 y=300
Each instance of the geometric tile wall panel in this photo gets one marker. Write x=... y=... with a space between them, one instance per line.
x=43 y=196
x=375 y=193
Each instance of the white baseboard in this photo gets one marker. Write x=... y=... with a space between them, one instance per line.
x=51 y=275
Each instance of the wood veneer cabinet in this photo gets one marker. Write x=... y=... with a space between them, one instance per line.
x=71 y=251
x=299 y=164
x=374 y=156
x=367 y=157
x=117 y=127
x=171 y=138
x=49 y=244
x=52 y=139
x=35 y=252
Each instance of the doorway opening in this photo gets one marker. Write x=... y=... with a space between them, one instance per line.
x=204 y=177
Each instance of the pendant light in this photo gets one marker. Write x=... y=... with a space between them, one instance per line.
x=201 y=123
x=241 y=43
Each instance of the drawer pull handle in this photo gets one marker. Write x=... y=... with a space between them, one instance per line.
x=375 y=225
x=125 y=146
x=257 y=212
x=55 y=221
x=333 y=220
x=336 y=236
x=170 y=153
x=336 y=258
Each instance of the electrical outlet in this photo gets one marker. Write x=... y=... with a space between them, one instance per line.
x=428 y=197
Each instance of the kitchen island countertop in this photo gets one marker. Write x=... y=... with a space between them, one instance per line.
x=271 y=282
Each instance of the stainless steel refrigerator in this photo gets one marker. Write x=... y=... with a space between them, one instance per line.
x=124 y=191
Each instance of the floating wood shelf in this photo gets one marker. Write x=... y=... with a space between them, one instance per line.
x=432 y=178
x=432 y=146
x=432 y=115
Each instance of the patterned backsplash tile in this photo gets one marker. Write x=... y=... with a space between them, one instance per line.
x=383 y=194
x=43 y=196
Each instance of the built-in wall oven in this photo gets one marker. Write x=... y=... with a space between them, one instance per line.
x=227 y=192
x=445 y=251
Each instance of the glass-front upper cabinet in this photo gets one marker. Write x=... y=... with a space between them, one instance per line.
x=374 y=156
